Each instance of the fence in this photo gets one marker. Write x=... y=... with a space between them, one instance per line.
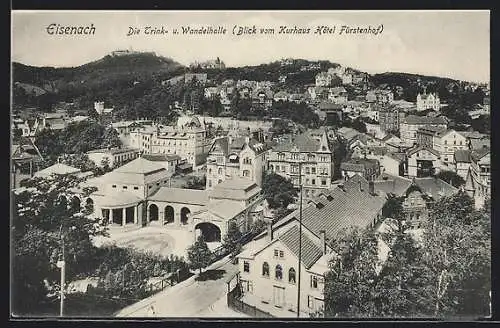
x=234 y=302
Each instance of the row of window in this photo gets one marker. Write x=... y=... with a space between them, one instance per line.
x=126 y=187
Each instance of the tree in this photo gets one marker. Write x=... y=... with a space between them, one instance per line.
x=350 y=283
x=199 y=255
x=232 y=239
x=41 y=220
x=451 y=177
x=111 y=138
x=278 y=191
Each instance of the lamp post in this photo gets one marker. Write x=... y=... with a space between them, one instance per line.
x=300 y=239
x=61 y=264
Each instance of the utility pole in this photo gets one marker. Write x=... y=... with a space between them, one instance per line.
x=300 y=239
x=62 y=265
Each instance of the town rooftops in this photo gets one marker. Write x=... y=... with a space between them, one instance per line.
x=462 y=156
x=310 y=251
x=223 y=209
x=423 y=120
x=179 y=195
x=59 y=169
x=113 y=151
x=434 y=130
x=347 y=133
x=118 y=198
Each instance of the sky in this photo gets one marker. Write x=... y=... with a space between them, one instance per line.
x=452 y=44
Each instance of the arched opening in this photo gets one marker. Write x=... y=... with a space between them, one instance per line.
x=89 y=205
x=75 y=204
x=278 y=272
x=209 y=231
x=184 y=215
x=153 y=212
x=168 y=215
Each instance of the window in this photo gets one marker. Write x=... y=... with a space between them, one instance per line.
x=125 y=187
x=246 y=173
x=209 y=171
x=313 y=181
x=291 y=275
x=114 y=186
x=158 y=184
x=136 y=188
x=265 y=269
x=220 y=170
x=276 y=252
x=278 y=272
x=313 y=170
x=454 y=142
x=307 y=170
x=314 y=282
x=210 y=183
x=446 y=142
x=310 y=301
x=282 y=254
x=246 y=266
x=323 y=182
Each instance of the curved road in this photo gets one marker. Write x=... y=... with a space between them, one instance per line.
x=190 y=298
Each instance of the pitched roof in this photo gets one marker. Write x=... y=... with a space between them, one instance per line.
x=462 y=156
x=392 y=184
x=310 y=251
x=236 y=188
x=334 y=210
x=161 y=157
x=179 y=195
x=359 y=164
x=58 y=168
x=114 y=151
x=414 y=119
x=434 y=187
x=304 y=142
x=140 y=166
x=479 y=153
x=418 y=148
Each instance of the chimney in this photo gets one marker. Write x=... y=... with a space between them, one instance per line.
x=270 y=231
x=371 y=188
x=322 y=234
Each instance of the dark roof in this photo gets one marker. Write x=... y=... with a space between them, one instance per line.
x=310 y=251
x=334 y=210
x=479 y=153
x=414 y=119
x=462 y=156
x=432 y=129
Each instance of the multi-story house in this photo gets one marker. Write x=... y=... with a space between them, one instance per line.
x=338 y=95
x=428 y=101
x=268 y=268
x=478 y=182
x=230 y=157
x=262 y=99
x=446 y=142
x=311 y=152
x=323 y=79
x=389 y=118
x=187 y=140
x=409 y=126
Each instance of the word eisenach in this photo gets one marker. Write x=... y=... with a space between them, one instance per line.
x=57 y=29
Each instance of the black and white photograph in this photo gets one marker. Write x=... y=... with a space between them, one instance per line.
x=250 y=164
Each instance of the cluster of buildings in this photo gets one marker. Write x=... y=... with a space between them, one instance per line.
x=209 y=64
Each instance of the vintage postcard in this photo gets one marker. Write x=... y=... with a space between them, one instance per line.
x=250 y=164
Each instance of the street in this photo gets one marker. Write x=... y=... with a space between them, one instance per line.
x=190 y=298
